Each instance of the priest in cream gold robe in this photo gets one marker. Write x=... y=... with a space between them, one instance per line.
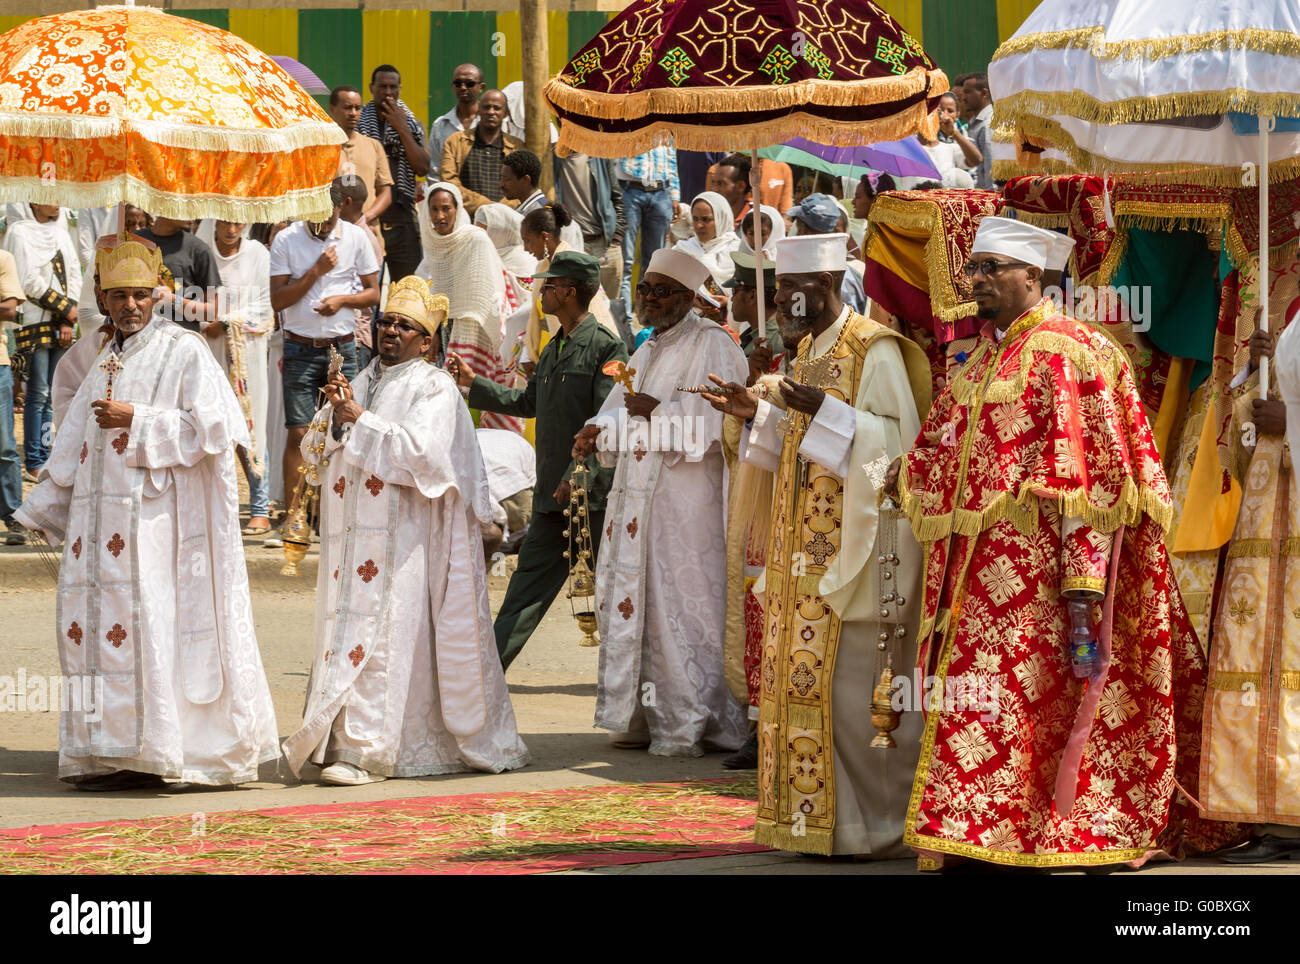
x=661 y=571
x=406 y=680
x=841 y=584
x=153 y=602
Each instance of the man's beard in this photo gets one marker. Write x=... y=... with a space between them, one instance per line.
x=130 y=326
x=988 y=314
x=653 y=317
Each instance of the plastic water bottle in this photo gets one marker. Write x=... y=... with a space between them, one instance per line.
x=1084 y=659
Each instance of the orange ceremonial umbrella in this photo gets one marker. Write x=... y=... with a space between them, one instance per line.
x=182 y=119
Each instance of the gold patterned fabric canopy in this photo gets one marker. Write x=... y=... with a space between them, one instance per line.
x=178 y=117
x=713 y=75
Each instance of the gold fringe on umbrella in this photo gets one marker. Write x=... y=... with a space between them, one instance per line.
x=576 y=138
x=561 y=92
x=1029 y=109
x=1278 y=42
x=197 y=137
x=307 y=203
x=1050 y=132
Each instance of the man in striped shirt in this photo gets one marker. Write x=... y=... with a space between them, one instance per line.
x=651 y=198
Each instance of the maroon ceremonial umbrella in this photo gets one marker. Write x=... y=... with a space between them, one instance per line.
x=708 y=76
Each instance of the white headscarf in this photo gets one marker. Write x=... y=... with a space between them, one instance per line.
x=502 y=225
x=463 y=265
x=514 y=122
x=715 y=254
x=771 y=234
x=34 y=246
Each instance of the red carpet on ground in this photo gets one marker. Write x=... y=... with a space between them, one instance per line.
x=533 y=832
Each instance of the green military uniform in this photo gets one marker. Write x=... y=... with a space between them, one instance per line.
x=565 y=391
x=745 y=275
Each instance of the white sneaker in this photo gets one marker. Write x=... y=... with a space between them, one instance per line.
x=348 y=775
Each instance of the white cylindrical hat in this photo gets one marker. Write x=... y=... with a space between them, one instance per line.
x=812 y=254
x=1021 y=241
x=688 y=271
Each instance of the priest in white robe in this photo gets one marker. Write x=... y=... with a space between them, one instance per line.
x=841 y=584
x=153 y=593
x=406 y=681
x=661 y=570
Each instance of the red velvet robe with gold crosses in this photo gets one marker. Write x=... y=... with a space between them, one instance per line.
x=1035 y=474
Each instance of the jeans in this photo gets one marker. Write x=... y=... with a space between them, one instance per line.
x=11 y=476
x=259 y=490
x=648 y=214
x=302 y=376
x=38 y=413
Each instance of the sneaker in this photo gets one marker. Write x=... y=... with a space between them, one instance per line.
x=348 y=775
x=273 y=540
x=28 y=477
x=17 y=535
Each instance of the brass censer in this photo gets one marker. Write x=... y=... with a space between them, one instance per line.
x=582 y=579
x=884 y=717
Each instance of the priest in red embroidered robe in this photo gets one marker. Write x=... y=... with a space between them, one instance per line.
x=153 y=608
x=406 y=680
x=1035 y=481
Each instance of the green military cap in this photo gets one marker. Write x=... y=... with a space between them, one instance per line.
x=574 y=265
x=747 y=275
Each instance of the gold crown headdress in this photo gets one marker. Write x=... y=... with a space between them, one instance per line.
x=410 y=297
x=128 y=264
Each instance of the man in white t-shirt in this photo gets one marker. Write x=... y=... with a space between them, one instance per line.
x=321 y=274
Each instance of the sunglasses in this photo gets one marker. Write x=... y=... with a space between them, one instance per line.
x=399 y=325
x=465 y=83
x=556 y=284
x=658 y=291
x=989 y=267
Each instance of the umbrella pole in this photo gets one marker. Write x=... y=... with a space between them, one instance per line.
x=758 y=246
x=1265 y=124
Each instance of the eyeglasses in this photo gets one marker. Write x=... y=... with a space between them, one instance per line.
x=399 y=325
x=465 y=83
x=556 y=284
x=989 y=267
x=658 y=291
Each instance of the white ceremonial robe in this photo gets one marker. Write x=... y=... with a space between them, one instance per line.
x=73 y=366
x=661 y=571
x=406 y=680
x=872 y=786
x=153 y=590
x=245 y=297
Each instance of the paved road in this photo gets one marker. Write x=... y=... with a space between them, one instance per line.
x=552 y=685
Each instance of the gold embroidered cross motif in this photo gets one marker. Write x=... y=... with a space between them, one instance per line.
x=626 y=607
x=357 y=655
x=119 y=443
x=76 y=548
x=74 y=633
x=820 y=548
x=367 y=570
x=115 y=545
x=1241 y=611
x=374 y=484
x=339 y=486
x=803 y=679
x=820 y=372
x=116 y=635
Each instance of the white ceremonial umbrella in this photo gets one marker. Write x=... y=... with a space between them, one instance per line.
x=1201 y=91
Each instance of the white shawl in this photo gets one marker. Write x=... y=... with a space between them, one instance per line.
x=770 y=236
x=502 y=226
x=715 y=254
x=464 y=266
